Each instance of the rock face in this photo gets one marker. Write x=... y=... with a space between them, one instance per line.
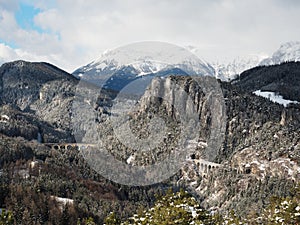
x=188 y=108
x=260 y=152
x=39 y=95
x=185 y=98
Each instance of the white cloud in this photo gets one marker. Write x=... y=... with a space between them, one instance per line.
x=8 y=54
x=8 y=5
x=78 y=30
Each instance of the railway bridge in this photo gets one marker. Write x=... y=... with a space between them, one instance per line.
x=202 y=165
x=69 y=146
x=206 y=166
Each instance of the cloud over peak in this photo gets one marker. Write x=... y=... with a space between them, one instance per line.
x=77 y=31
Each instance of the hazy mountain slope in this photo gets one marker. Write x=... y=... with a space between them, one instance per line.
x=229 y=71
x=288 y=52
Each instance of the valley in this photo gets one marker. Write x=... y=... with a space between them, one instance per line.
x=71 y=154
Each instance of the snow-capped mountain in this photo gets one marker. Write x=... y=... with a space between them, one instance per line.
x=228 y=71
x=289 y=51
x=148 y=59
x=138 y=60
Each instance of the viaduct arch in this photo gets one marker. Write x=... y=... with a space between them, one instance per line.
x=202 y=165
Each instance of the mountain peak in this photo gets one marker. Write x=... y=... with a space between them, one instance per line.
x=290 y=44
x=38 y=70
x=149 y=57
x=143 y=59
x=289 y=51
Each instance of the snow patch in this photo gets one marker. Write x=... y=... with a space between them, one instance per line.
x=202 y=144
x=272 y=96
x=130 y=158
x=63 y=201
x=4 y=117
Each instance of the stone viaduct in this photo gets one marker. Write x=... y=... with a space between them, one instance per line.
x=202 y=165
x=69 y=146
x=206 y=166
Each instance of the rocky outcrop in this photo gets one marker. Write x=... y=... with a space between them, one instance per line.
x=21 y=82
x=191 y=98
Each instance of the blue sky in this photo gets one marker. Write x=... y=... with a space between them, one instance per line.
x=71 y=33
x=11 y=44
x=25 y=17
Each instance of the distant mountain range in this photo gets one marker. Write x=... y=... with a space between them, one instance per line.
x=230 y=70
x=114 y=64
x=289 y=51
x=117 y=68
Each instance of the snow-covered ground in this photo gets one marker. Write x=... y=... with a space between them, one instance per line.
x=249 y=159
x=63 y=201
x=274 y=97
x=4 y=118
x=130 y=159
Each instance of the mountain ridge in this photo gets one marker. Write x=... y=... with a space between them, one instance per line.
x=112 y=61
